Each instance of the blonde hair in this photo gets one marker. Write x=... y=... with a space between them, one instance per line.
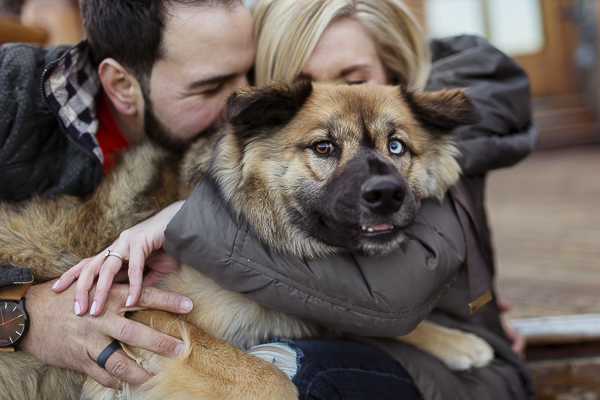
x=287 y=31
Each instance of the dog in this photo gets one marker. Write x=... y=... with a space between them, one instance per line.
x=313 y=168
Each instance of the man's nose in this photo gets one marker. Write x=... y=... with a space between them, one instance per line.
x=242 y=81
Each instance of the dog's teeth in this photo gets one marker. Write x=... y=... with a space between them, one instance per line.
x=391 y=226
x=364 y=227
x=369 y=229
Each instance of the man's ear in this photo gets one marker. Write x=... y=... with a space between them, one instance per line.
x=255 y=109
x=121 y=87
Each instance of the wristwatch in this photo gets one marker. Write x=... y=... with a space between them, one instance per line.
x=13 y=316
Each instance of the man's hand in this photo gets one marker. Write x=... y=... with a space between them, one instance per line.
x=60 y=338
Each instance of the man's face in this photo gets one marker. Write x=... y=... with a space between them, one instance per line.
x=208 y=51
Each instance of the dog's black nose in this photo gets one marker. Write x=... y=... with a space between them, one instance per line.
x=383 y=194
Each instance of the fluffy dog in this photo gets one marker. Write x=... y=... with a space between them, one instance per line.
x=314 y=169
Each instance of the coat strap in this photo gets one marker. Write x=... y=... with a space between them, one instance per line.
x=480 y=276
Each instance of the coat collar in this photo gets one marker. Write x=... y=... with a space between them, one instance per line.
x=71 y=85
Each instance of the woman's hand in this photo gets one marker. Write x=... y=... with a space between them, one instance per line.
x=140 y=246
x=58 y=337
x=516 y=340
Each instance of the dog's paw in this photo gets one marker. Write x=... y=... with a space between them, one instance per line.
x=466 y=351
x=457 y=349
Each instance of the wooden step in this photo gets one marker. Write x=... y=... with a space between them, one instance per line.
x=560 y=329
x=563 y=354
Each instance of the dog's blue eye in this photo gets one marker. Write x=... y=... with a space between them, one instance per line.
x=323 y=148
x=396 y=147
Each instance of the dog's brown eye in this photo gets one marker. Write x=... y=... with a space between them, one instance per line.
x=323 y=148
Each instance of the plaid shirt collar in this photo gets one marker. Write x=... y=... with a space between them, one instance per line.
x=72 y=87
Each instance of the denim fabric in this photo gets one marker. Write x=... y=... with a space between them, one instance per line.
x=340 y=369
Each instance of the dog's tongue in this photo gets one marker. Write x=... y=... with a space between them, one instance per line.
x=378 y=227
x=381 y=227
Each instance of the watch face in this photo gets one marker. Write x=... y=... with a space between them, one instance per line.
x=13 y=322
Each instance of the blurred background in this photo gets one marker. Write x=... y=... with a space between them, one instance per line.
x=544 y=212
x=45 y=22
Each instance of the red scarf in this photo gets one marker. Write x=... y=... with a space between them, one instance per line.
x=109 y=136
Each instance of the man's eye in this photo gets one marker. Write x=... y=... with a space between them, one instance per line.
x=356 y=81
x=397 y=147
x=323 y=148
x=212 y=89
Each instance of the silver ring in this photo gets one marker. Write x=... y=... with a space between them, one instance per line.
x=109 y=253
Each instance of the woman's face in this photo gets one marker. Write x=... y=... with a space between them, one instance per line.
x=346 y=51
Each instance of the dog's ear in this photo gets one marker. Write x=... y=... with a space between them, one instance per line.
x=274 y=105
x=441 y=111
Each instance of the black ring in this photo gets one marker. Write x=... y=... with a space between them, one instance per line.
x=107 y=352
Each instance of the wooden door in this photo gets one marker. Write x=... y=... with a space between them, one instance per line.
x=552 y=70
x=566 y=98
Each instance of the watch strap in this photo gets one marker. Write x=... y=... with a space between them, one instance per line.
x=14 y=292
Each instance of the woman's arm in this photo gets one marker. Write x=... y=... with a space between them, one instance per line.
x=376 y=296
x=499 y=89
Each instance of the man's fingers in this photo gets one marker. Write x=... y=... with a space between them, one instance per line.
x=157 y=299
x=139 y=335
x=121 y=366
x=103 y=377
x=118 y=367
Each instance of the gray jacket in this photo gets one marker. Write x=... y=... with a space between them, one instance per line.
x=376 y=298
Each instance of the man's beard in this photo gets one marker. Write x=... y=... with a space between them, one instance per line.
x=162 y=135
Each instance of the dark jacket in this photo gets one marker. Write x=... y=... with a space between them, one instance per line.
x=47 y=114
x=428 y=276
x=47 y=127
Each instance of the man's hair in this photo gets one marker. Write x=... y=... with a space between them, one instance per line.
x=131 y=31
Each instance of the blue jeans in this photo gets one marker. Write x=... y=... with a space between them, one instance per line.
x=325 y=369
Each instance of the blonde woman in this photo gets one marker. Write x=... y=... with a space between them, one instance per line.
x=373 y=41
x=287 y=33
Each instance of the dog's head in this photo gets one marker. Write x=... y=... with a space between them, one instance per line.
x=316 y=168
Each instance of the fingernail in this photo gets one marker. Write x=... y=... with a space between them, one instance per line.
x=77 y=308
x=93 y=309
x=179 y=349
x=187 y=305
x=129 y=301
x=55 y=284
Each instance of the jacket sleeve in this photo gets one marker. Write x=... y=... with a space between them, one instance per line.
x=14 y=275
x=499 y=88
x=377 y=296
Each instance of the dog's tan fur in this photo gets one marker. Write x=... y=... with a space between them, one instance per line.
x=262 y=164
